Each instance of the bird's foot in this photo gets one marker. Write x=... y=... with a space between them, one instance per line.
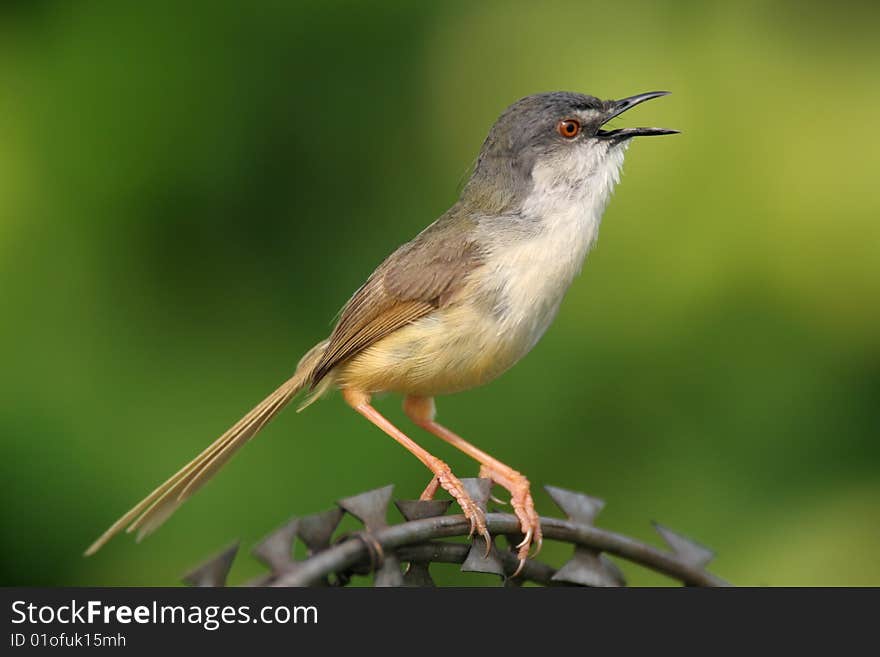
x=443 y=478
x=523 y=507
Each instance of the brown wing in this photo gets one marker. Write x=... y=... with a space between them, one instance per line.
x=415 y=280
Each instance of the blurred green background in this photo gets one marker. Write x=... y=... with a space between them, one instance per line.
x=190 y=191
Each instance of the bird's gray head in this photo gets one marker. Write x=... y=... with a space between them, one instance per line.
x=556 y=135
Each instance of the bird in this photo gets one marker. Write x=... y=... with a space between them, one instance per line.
x=459 y=304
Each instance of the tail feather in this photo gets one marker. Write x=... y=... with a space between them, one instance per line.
x=158 y=506
x=199 y=471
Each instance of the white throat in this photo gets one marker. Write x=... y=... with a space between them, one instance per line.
x=569 y=197
x=559 y=224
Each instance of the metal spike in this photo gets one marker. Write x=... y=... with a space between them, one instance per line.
x=477 y=561
x=276 y=549
x=259 y=581
x=578 y=507
x=479 y=489
x=613 y=570
x=389 y=574
x=371 y=508
x=317 y=529
x=212 y=572
x=588 y=568
x=685 y=548
x=418 y=509
x=417 y=573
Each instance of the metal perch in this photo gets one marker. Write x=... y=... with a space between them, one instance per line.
x=381 y=548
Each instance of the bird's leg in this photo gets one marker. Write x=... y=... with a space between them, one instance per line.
x=360 y=401
x=422 y=411
x=431 y=489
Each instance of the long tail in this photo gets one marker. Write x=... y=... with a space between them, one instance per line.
x=158 y=506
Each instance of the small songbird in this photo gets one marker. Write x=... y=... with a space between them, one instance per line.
x=459 y=304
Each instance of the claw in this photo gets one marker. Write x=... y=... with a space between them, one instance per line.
x=523 y=508
x=522 y=563
x=474 y=514
x=485 y=473
x=527 y=539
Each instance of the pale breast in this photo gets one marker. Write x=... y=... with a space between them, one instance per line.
x=497 y=318
x=507 y=303
x=527 y=280
x=535 y=260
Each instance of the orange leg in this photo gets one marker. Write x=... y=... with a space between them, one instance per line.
x=431 y=489
x=422 y=411
x=443 y=477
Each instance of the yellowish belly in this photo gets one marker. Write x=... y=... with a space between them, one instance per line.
x=453 y=349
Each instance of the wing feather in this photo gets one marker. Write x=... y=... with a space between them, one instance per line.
x=418 y=278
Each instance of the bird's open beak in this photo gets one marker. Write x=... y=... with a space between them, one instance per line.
x=617 y=107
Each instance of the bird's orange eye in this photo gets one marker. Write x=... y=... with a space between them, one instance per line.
x=569 y=128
